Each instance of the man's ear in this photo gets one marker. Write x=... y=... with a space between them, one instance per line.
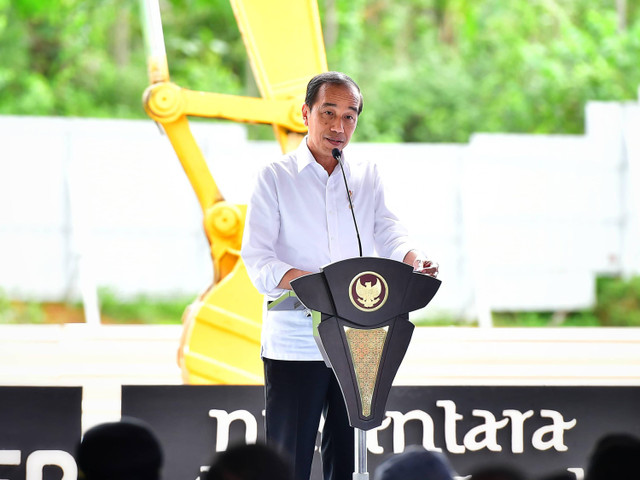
x=305 y=114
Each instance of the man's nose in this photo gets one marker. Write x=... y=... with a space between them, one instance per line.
x=337 y=125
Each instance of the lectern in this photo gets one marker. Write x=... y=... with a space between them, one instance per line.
x=361 y=311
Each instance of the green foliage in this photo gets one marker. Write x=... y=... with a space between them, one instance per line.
x=443 y=321
x=142 y=309
x=430 y=70
x=204 y=47
x=443 y=70
x=70 y=58
x=11 y=313
x=618 y=302
x=545 y=319
x=618 y=305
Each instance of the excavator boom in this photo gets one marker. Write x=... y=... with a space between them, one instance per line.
x=283 y=38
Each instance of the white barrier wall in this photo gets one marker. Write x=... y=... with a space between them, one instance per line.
x=542 y=218
x=516 y=222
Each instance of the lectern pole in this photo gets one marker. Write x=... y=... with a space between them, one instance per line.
x=360 y=451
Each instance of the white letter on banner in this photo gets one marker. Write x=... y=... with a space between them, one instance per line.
x=224 y=422
x=372 y=437
x=10 y=457
x=556 y=430
x=578 y=472
x=489 y=430
x=517 y=428
x=451 y=417
x=399 y=419
x=38 y=459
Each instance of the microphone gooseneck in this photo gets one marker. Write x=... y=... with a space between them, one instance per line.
x=337 y=154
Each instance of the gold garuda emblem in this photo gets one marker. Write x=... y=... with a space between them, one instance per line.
x=368 y=291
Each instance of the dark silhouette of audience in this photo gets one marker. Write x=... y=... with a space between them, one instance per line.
x=415 y=463
x=497 y=472
x=616 y=456
x=129 y=450
x=124 y=450
x=249 y=462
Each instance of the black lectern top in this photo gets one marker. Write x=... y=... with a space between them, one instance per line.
x=367 y=291
x=365 y=330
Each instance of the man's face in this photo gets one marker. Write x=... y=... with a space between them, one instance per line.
x=332 y=119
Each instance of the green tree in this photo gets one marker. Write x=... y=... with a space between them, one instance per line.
x=431 y=70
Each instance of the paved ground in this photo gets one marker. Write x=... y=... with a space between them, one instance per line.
x=101 y=359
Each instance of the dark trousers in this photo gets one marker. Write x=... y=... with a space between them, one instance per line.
x=296 y=394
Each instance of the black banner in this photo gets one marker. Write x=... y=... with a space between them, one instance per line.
x=39 y=430
x=538 y=429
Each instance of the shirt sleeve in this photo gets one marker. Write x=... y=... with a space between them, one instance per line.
x=261 y=231
x=391 y=237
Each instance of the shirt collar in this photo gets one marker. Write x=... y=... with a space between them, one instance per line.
x=305 y=157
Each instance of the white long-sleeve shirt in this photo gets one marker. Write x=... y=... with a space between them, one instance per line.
x=299 y=217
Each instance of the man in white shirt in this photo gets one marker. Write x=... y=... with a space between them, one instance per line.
x=299 y=220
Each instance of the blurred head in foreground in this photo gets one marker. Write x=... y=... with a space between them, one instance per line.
x=249 y=462
x=615 y=456
x=124 y=450
x=415 y=463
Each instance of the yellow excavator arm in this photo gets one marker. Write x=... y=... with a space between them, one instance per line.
x=221 y=337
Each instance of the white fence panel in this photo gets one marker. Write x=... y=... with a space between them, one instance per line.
x=422 y=186
x=34 y=220
x=542 y=215
x=515 y=221
x=631 y=226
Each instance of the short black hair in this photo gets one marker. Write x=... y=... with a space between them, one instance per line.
x=250 y=462
x=126 y=450
x=334 y=78
x=615 y=455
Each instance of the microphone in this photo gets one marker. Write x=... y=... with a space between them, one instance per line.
x=337 y=154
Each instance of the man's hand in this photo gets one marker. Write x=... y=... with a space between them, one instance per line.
x=422 y=265
x=292 y=274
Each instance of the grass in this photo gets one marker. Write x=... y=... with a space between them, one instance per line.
x=139 y=310
x=618 y=305
x=444 y=322
x=545 y=319
x=142 y=309
x=12 y=312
